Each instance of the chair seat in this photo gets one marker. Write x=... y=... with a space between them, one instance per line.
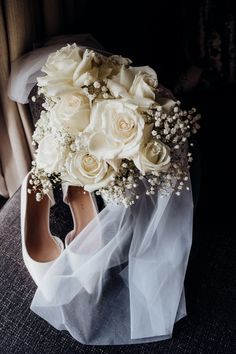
x=210 y=294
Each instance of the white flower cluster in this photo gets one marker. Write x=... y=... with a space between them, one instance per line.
x=106 y=125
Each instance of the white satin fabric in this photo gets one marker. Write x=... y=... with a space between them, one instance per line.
x=121 y=280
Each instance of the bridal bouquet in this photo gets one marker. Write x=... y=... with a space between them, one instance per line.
x=106 y=125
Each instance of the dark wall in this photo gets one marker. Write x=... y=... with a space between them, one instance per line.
x=191 y=44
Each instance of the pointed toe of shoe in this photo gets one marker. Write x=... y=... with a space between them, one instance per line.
x=37 y=269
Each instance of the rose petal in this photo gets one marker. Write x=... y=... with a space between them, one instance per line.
x=102 y=147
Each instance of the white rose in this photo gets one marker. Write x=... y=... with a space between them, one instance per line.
x=67 y=70
x=71 y=112
x=116 y=129
x=153 y=154
x=48 y=155
x=136 y=84
x=86 y=170
x=87 y=70
x=59 y=70
x=144 y=83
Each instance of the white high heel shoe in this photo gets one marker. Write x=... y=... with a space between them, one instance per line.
x=40 y=248
x=83 y=208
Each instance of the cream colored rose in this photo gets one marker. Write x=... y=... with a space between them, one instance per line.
x=86 y=170
x=95 y=66
x=143 y=85
x=153 y=156
x=69 y=68
x=87 y=70
x=116 y=130
x=72 y=113
x=48 y=155
x=136 y=84
x=59 y=69
x=120 y=83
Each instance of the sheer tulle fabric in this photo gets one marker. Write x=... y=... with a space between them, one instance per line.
x=121 y=280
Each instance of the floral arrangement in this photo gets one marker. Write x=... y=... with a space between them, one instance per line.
x=106 y=125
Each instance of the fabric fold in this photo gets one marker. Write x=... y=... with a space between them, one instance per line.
x=121 y=280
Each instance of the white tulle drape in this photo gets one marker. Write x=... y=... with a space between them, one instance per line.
x=122 y=278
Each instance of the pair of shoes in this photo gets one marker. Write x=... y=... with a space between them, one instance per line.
x=40 y=248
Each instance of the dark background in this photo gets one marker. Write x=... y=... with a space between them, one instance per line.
x=191 y=45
